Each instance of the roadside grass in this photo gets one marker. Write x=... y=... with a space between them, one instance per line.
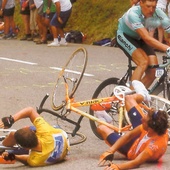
x=97 y=19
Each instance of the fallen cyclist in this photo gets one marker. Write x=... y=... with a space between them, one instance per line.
x=148 y=140
x=47 y=145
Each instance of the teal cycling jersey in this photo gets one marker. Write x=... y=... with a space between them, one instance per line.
x=133 y=19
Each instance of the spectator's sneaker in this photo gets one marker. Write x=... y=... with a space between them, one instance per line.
x=53 y=44
x=63 y=43
x=30 y=39
x=103 y=115
x=140 y=89
x=41 y=42
x=14 y=36
x=25 y=37
x=6 y=37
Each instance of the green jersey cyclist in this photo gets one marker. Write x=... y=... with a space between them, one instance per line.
x=134 y=39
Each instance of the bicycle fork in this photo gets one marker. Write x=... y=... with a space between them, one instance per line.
x=121 y=112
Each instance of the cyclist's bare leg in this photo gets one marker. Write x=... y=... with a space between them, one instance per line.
x=133 y=100
x=104 y=131
x=150 y=73
x=141 y=60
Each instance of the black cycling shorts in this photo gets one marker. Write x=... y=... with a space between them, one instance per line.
x=129 y=44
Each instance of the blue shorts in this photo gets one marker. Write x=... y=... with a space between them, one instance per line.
x=129 y=45
x=48 y=16
x=135 y=118
x=64 y=16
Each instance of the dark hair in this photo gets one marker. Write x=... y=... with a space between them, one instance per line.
x=158 y=121
x=26 y=138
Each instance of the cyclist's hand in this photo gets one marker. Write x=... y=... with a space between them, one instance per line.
x=112 y=167
x=7 y=122
x=8 y=156
x=106 y=156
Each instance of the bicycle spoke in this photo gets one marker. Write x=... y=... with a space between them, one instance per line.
x=105 y=89
x=71 y=74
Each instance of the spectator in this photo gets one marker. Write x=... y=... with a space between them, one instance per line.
x=48 y=12
x=33 y=21
x=39 y=6
x=7 y=10
x=134 y=2
x=25 y=12
x=59 y=20
x=162 y=4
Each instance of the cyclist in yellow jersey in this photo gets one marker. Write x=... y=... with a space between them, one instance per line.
x=148 y=140
x=47 y=145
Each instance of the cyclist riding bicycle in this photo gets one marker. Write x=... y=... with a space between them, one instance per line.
x=148 y=140
x=134 y=39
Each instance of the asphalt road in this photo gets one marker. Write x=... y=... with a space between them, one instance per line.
x=26 y=75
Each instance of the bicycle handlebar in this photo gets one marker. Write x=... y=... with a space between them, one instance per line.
x=166 y=62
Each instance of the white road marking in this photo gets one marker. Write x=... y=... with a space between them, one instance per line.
x=18 y=61
x=54 y=68
x=72 y=71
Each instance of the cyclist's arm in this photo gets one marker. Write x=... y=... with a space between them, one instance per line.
x=22 y=159
x=144 y=34
x=140 y=159
x=28 y=112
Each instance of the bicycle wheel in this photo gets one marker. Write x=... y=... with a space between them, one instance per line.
x=167 y=88
x=162 y=86
x=72 y=73
x=105 y=89
x=166 y=91
x=159 y=103
x=77 y=139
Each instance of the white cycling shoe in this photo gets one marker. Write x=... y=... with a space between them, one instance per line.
x=140 y=89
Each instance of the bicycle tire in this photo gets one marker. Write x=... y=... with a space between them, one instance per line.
x=77 y=139
x=159 y=103
x=167 y=89
x=105 y=89
x=72 y=72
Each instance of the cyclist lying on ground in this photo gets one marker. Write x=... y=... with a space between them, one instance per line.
x=47 y=145
x=134 y=39
x=147 y=142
